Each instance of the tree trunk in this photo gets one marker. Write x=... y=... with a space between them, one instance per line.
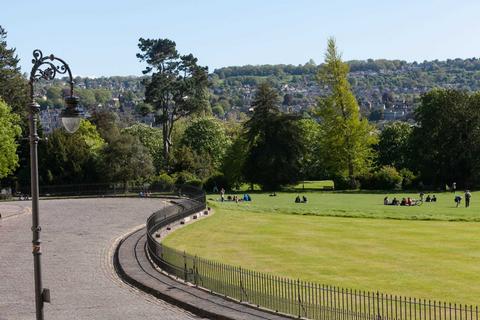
x=166 y=145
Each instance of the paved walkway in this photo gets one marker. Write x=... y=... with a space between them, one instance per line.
x=79 y=237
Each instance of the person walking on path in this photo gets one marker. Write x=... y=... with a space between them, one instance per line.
x=468 y=195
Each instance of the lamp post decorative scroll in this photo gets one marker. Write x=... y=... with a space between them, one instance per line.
x=46 y=68
x=50 y=68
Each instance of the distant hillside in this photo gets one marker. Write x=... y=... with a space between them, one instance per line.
x=394 y=84
x=387 y=89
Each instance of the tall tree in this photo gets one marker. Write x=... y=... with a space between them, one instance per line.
x=346 y=138
x=177 y=87
x=265 y=106
x=9 y=131
x=275 y=147
x=446 y=140
x=13 y=87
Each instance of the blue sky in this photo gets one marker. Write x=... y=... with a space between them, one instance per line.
x=100 y=37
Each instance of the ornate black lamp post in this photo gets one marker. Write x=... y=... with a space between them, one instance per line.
x=45 y=68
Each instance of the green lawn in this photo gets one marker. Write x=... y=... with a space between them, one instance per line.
x=428 y=259
x=358 y=205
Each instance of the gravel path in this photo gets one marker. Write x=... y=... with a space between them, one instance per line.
x=79 y=237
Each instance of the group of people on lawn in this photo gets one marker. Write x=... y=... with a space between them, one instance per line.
x=404 y=202
x=408 y=201
x=246 y=197
x=411 y=202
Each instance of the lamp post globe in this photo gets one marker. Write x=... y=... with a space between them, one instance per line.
x=71 y=124
x=71 y=115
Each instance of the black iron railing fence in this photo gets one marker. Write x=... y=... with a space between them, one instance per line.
x=101 y=189
x=301 y=298
x=292 y=297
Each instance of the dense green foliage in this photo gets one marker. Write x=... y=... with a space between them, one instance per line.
x=151 y=138
x=233 y=162
x=384 y=178
x=127 y=159
x=446 y=140
x=71 y=158
x=394 y=145
x=13 y=92
x=206 y=136
x=9 y=131
x=312 y=163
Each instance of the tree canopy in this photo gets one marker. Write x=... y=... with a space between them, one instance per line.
x=127 y=159
x=151 y=138
x=446 y=140
x=177 y=87
x=206 y=135
x=13 y=87
x=394 y=145
x=9 y=131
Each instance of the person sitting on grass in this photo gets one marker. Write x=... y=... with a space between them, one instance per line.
x=246 y=197
x=273 y=194
x=458 y=200
x=434 y=199
x=304 y=199
x=404 y=202
x=428 y=199
x=385 y=201
x=395 y=201
x=297 y=199
x=409 y=201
